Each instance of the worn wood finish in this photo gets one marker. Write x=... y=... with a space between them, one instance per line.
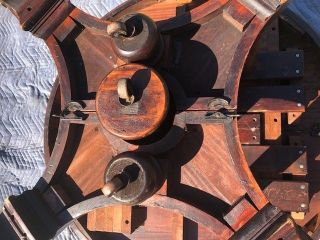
x=272 y=99
x=90 y=161
x=116 y=219
x=269 y=162
x=212 y=153
x=173 y=21
x=249 y=129
x=238 y=15
x=272 y=126
x=196 y=143
x=240 y=214
x=288 y=195
x=141 y=118
x=293 y=67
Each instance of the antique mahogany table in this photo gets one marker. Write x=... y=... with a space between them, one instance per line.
x=148 y=133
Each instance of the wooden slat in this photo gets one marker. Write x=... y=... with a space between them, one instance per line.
x=177 y=231
x=288 y=195
x=294 y=117
x=164 y=221
x=287 y=230
x=116 y=219
x=272 y=99
x=240 y=214
x=164 y=9
x=238 y=15
x=276 y=65
x=269 y=39
x=273 y=161
x=249 y=128
x=272 y=126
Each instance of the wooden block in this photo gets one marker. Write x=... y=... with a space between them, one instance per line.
x=298 y=215
x=269 y=38
x=238 y=15
x=271 y=162
x=116 y=219
x=164 y=221
x=272 y=126
x=177 y=228
x=67 y=26
x=163 y=10
x=276 y=65
x=240 y=214
x=289 y=196
x=294 y=117
x=249 y=128
x=272 y=99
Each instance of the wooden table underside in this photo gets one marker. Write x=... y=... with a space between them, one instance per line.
x=208 y=172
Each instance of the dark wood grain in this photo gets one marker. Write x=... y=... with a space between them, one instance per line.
x=288 y=195
x=272 y=99
x=141 y=118
x=240 y=214
x=249 y=129
x=238 y=15
x=273 y=161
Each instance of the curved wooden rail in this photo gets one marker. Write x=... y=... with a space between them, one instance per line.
x=63 y=131
x=220 y=230
x=171 y=23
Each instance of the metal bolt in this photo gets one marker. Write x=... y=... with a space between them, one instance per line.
x=125 y=91
x=116 y=29
x=297 y=71
x=298 y=91
x=303 y=205
x=301 y=166
x=114 y=185
x=300 y=152
x=297 y=55
x=299 y=104
x=302 y=187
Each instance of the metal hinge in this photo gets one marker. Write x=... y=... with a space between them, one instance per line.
x=72 y=111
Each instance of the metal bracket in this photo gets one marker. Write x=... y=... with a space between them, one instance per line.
x=72 y=111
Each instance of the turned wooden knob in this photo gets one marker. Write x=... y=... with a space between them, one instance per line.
x=135 y=38
x=132 y=102
x=132 y=177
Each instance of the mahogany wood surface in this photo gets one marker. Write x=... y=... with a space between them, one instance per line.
x=142 y=117
x=272 y=128
x=209 y=171
x=240 y=214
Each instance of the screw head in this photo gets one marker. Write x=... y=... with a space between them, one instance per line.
x=301 y=166
x=303 y=205
x=298 y=91
x=297 y=71
x=299 y=104
x=302 y=187
x=300 y=152
x=297 y=55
